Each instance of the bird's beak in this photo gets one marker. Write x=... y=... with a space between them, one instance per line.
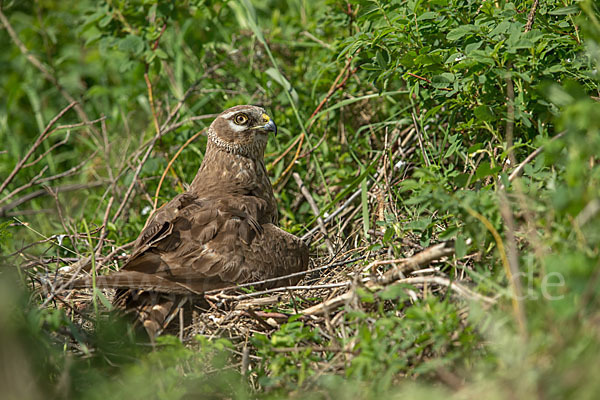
x=269 y=124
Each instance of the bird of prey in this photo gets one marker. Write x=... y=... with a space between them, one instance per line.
x=221 y=232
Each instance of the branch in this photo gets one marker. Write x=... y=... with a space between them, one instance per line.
x=41 y=192
x=41 y=67
x=531 y=16
x=37 y=143
x=315 y=210
x=393 y=275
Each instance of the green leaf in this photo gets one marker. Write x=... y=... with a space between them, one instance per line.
x=460 y=246
x=460 y=32
x=131 y=44
x=484 y=113
x=573 y=9
x=282 y=80
x=427 y=15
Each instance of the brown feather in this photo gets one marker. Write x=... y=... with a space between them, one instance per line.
x=221 y=232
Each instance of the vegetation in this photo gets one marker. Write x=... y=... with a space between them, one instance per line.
x=421 y=122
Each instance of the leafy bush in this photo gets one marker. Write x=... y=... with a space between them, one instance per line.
x=431 y=109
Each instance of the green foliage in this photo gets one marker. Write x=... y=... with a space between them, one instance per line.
x=427 y=104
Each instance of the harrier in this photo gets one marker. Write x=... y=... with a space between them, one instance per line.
x=221 y=232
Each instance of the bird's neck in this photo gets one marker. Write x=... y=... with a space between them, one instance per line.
x=233 y=174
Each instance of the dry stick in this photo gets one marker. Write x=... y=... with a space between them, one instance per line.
x=513 y=256
x=151 y=100
x=291 y=165
x=37 y=64
x=103 y=232
x=334 y=214
x=286 y=288
x=42 y=192
x=160 y=132
x=172 y=127
x=314 y=348
x=427 y=80
x=39 y=180
x=516 y=303
x=68 y=172
x=44 y=154
x=407 y=264
x=285 y=152
x=162 y=178
x=178 y=106
x=340 y=300
x=531 y=16
x=410 y=264
x=36 y=144
x=72 y=234
x=354 y=195
x=295 y=274
x=517 y=171
x=425 y=158
x=107 y=151
x=29 y=184
x=334 y=87
x=510 y=116
x=133 y=181
x=315 y=210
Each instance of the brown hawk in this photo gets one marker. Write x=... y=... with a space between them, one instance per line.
x=221 y=232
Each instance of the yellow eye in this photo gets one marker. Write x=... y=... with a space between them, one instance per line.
x=240 y=119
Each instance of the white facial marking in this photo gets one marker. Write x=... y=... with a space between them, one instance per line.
x=229 y=114
x=235 y=127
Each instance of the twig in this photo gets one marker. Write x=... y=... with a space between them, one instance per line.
x=313 y=348
x=162 y=178
x=408 y=264
x=284 y=153
x=315 y=210
x=517 y=171
x=103 y=232
x=166 y=129
x=413 y=263
x=519 y=313
x=425 y=158
x=331 y=216
x=296 y=274
x=135 y=176
x=334 y=87
x=36 y=144
x=39 y=180
x=510 y=116
x=316 y=39
x=44 y=154
x=428 y=81
x=291 y=164
x=513 y=257
x=531 y=16
x=42 y=192
x=286 y=288
x=340 y=300
x=151 y=100
x=29 y=184
x=37 y=64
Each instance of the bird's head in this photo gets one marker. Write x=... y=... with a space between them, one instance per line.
x=242 y=130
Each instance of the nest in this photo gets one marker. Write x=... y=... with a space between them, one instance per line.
x=329 y=289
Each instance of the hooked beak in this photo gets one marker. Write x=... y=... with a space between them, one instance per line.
x=269 y=124
x=271 y=127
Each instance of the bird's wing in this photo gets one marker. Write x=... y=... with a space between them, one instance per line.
x=195 y=244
